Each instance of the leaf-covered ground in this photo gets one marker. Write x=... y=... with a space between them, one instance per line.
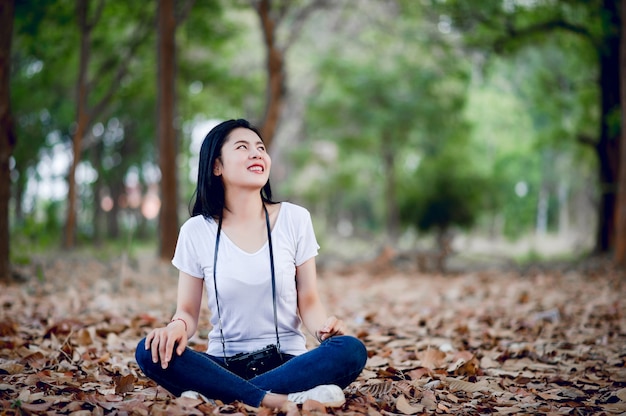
x=547 y=342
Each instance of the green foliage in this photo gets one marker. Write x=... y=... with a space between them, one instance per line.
x=443 y=192
x=409 y=106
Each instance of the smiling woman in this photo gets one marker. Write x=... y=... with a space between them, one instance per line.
x=256 y=260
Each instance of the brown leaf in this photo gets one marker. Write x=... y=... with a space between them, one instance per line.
x=429 y=400
x=432 y=359
x=404 y=407
x=461 y=385
x=63 y=327
x=7 y=328
x=125 y=384
x=464 y=364
x=83 y=338
x=312 y=406
x=11 y=367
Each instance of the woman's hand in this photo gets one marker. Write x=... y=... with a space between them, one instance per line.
x=331 y=327
x=161 y=342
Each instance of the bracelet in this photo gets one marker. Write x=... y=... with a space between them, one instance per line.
x=180 y=319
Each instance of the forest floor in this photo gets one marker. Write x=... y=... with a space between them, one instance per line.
x=543 y=340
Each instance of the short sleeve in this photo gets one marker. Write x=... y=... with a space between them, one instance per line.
x=186 y=257
x=307 y=246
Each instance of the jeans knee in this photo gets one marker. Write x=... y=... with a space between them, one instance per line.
x=359 y=352
x=142 y=356
x=354 y=350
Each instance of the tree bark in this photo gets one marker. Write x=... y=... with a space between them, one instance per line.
x=7 y=133
x=620 y=240
x=82 y=120
x=608 y=146
x=85 y=114
x=166 y=49
x=276 y=78
x=391 y=201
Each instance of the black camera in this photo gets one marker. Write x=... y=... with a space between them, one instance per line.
x=251 y=364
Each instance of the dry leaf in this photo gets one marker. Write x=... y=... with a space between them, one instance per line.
x=432 y=359
x=429 y=400
x=404 y=407
x=461 y=385
x=125 y=384
x=68 y=363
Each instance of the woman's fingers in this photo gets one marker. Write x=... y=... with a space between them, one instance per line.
x=332 y=326
x=182 y=344
x=161 y=343
x=165 y=350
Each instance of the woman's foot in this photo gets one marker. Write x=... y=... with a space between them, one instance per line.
x=195 y=395
x=329 y=395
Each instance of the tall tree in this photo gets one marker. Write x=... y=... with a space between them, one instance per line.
x=168 y=20
x=620 y=240
x=166 y=58
x=116 y=67
x=271 y=14
x=509 y=26
x=7 y=132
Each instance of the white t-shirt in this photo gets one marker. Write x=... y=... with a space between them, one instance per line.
x=244 y=282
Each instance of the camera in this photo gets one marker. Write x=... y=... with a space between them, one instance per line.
x=251 y=364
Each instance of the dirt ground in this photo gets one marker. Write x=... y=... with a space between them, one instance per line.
x=542 y=340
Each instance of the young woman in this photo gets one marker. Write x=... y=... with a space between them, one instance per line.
x=256 y=259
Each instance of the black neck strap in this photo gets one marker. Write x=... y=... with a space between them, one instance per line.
x=269 y=241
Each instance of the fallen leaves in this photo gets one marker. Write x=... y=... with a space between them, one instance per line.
x=488 y=342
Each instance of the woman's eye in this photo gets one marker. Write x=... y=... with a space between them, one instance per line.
x=241 y=146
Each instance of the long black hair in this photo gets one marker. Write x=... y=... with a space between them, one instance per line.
x=209 y=193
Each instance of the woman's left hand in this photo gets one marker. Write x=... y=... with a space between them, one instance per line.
x=331 y=327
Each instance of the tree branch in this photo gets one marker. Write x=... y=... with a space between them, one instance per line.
x=587 y=140
x=183 y=12
x=300 y=18
x=90 y=23
x=542 y=27
x=139 y=37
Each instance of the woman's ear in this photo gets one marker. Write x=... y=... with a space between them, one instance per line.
x=217 y=167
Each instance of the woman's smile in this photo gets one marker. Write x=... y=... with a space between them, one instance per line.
x=257 y=168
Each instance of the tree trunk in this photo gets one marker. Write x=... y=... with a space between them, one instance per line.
x=7 y=133
x=98 y=190
x=276 y=78
x=82 y=121
x=168 y=216
x=620 y=240
x=113 y=216
x=541 y=227
x=608 y=145
x=391 y=203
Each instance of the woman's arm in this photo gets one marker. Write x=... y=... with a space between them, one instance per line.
x=310 y=306
x=183 y=324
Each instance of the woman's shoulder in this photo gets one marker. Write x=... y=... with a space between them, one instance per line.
x=196 y=222
x=294 y=210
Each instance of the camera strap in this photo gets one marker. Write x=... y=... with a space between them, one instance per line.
x=269 y=241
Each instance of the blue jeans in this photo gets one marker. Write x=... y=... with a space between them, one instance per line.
x=338 y=360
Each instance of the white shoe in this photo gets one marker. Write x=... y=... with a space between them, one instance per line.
x=327 y=394
x=195 y=395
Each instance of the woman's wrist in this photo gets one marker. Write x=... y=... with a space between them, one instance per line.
x=179 y=319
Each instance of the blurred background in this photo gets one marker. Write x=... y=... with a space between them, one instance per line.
x=459 y=131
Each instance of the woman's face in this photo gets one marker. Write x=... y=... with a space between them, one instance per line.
x=244 y=161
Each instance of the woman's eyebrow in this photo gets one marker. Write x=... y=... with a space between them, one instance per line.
x=244 y=141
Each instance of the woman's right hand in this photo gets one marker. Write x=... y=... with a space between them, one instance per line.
x=161 y=342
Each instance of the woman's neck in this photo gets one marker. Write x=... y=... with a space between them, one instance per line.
x=243 y=206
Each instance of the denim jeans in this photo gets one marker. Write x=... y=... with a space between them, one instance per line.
x=338 y=360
